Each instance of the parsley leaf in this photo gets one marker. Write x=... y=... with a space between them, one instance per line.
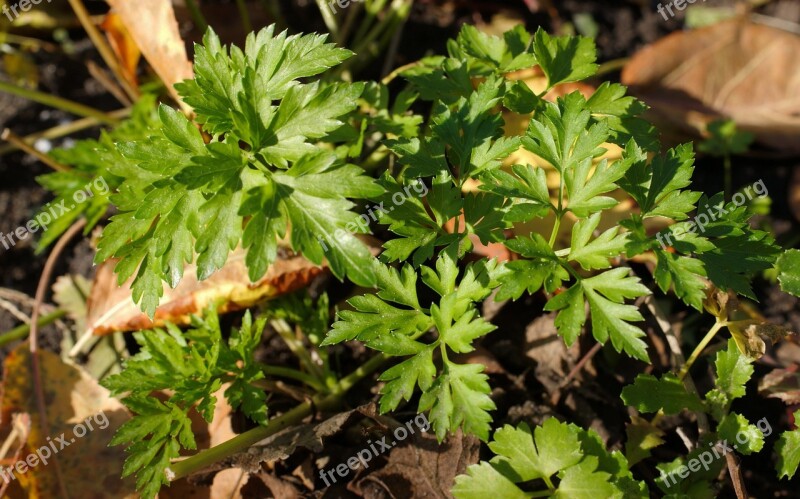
x=651 y=394
x=788 y=449
x=392 y=321
x=193 y=366
x=184 y=200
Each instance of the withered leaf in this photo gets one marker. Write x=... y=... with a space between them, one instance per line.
x=112 y=309
x=123 y=45
x=152 y=24
x=750 y=335
x=88 y=466
x=736 y=69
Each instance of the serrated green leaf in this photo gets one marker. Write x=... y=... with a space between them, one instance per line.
x=562 y=136
x=788 y=266
x=482 y=481
x=651 y=394
x=595 y=254
x=611 y=317
x=684 y=273
x=583 y=481
x=657 y=187
x=564 y=58
x=733 y=371
x=553 y=446
x=746 y=438
x=788 y=449
x=459 y=397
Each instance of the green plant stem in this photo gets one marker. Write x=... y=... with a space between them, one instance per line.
x=27 y=40
x=294 y=374
x=296 y=346
x=241 y=442
x=612 y=65
x=556 y=227
x=21 y=331
x=330 y=20
x=541 y=493
x=394 y=74
x=197 y=15
x=699 y=349
x=371 y=7
x=58 y=103
x=399 y=11
x=559 y=212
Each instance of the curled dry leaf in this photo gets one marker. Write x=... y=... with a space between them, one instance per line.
x=111 y=307
x=123 y=46
x=736 y=69
x=152 y=24
x=750 y=335
x=88 y=466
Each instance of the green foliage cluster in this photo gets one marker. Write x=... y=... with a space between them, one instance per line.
x=194 y=365
x=277 y=154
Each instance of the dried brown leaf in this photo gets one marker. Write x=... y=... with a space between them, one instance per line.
x=123 y=45
x=89 y=467
x=736 y=69
x=111 y=308
x=152 y=24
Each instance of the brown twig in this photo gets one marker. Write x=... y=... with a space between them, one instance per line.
x=41 y=289
x=109 y=84
x=736 y=476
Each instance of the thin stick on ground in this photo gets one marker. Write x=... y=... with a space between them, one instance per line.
x=18 y=141
x=63 y=130
x=41 y=289
x=57 y=102
x=736 y=476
